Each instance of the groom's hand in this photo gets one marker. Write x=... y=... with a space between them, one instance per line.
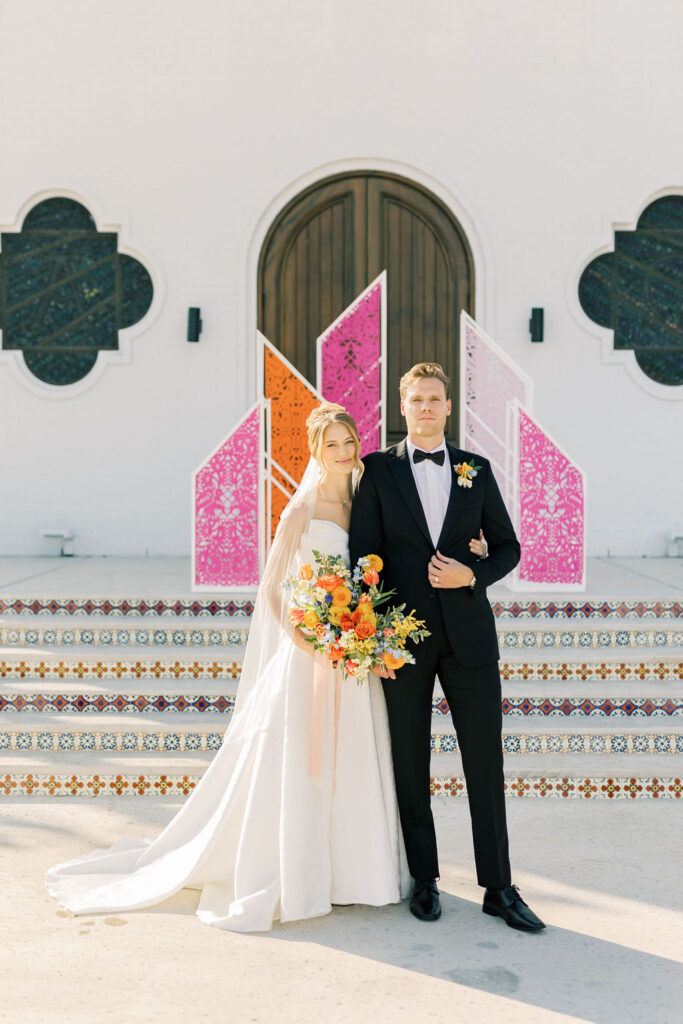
x=447 y=573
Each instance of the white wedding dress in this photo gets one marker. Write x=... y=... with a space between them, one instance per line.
x=296 y=812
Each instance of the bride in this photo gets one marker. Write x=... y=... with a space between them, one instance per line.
x=297 y=811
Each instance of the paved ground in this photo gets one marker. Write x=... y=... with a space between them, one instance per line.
x=606 y=877
x=624 y=578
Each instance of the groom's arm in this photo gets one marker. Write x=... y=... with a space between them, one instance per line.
x=365 y=531
x=504 y=550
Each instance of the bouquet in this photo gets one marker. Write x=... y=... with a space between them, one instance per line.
x=338 y=612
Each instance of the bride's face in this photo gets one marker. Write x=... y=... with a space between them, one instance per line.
x=338 y=454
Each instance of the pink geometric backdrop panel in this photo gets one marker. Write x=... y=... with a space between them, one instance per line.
x=226 y=509
x=350 y=363
x=491 y=381
x=552 y=510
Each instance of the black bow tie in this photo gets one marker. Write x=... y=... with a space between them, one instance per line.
x=437 y=457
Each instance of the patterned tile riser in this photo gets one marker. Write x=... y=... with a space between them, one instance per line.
x=178 y=742
x=539 y=707
x=86 y=784
x=562 y=671
x=511 y=639
x=217 y=607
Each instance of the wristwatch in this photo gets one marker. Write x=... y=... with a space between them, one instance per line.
x=473 y=582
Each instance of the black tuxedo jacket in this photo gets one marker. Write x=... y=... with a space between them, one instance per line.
x=387 y=519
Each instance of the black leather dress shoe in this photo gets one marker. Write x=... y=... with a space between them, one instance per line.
x=508 y=904
x=425 y=902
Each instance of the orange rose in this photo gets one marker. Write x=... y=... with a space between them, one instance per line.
x=376 y=563
x=346 y=622
x=341 y=595
x=370 y=577
x=306 y=572
x=296 y=616
x=391 y=662
x=329 y=582
x=364 y=630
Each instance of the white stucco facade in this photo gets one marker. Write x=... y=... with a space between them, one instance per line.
x=187 y=127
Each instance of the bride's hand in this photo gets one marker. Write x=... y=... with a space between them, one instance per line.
x=479 y=547
x=383 y=673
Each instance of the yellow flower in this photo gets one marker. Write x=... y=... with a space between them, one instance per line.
x=367 y=614
x=376 y=562
x=311 y=619
x=341 y=596
x=306 y=572
x=335 y=612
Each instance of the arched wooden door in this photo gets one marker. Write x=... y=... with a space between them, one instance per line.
x=332 y=240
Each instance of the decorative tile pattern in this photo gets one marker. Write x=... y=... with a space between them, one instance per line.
x=596 y=788
x=112 y=703
x=153 y=784
x=119 y=669
x=554 y=672
x=563 y=743
x=218 y=607
x=97 y=740
x=137 y=637
x=590 y=639
x=531 y=609
x=202 y=740
x=115 y=607
x=605 y=707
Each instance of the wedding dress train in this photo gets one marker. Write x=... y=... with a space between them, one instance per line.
x=296 y=812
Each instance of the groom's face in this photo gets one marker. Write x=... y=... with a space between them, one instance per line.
x=426 y=409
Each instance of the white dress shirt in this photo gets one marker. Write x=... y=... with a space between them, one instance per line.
x=433 y=486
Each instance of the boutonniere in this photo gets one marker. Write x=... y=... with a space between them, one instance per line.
x=466 y=473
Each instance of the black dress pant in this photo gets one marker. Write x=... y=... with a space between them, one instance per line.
x=474 y=698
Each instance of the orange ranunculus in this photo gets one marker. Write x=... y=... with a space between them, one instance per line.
x=346 y=622
x=341 y=595
x=376 y=563
x=306 y=572
x=391 y=662
x=320 y=630
x=311 y=619
x=329 y=582
x=351 y=667
x=370 y=577
x=296 y=616
x=364 y=630
x=334 y=653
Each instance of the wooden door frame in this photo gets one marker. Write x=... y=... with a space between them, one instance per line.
x=464 y=215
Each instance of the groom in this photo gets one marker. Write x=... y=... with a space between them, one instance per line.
x=411 y=510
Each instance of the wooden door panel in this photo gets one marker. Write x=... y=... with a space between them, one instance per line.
x=333 y=239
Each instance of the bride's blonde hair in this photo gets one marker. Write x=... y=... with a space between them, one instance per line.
x=319 y=419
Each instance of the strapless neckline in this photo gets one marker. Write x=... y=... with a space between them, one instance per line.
x=330 y=523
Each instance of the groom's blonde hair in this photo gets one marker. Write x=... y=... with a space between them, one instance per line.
x=421 y=370
x=323 y=416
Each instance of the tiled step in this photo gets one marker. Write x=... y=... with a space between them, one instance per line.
x=185 y=665
x=202 y=607
x=79 y=777
x=195 y=635
x=63 y=734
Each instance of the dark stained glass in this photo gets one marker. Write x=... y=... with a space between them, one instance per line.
x=65 y=291
x=637 y=290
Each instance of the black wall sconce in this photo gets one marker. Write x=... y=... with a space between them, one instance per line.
x=194 y=323
x=536 y=323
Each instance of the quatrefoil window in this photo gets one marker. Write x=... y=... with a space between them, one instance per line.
x=66 y=292
x=637 y=290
